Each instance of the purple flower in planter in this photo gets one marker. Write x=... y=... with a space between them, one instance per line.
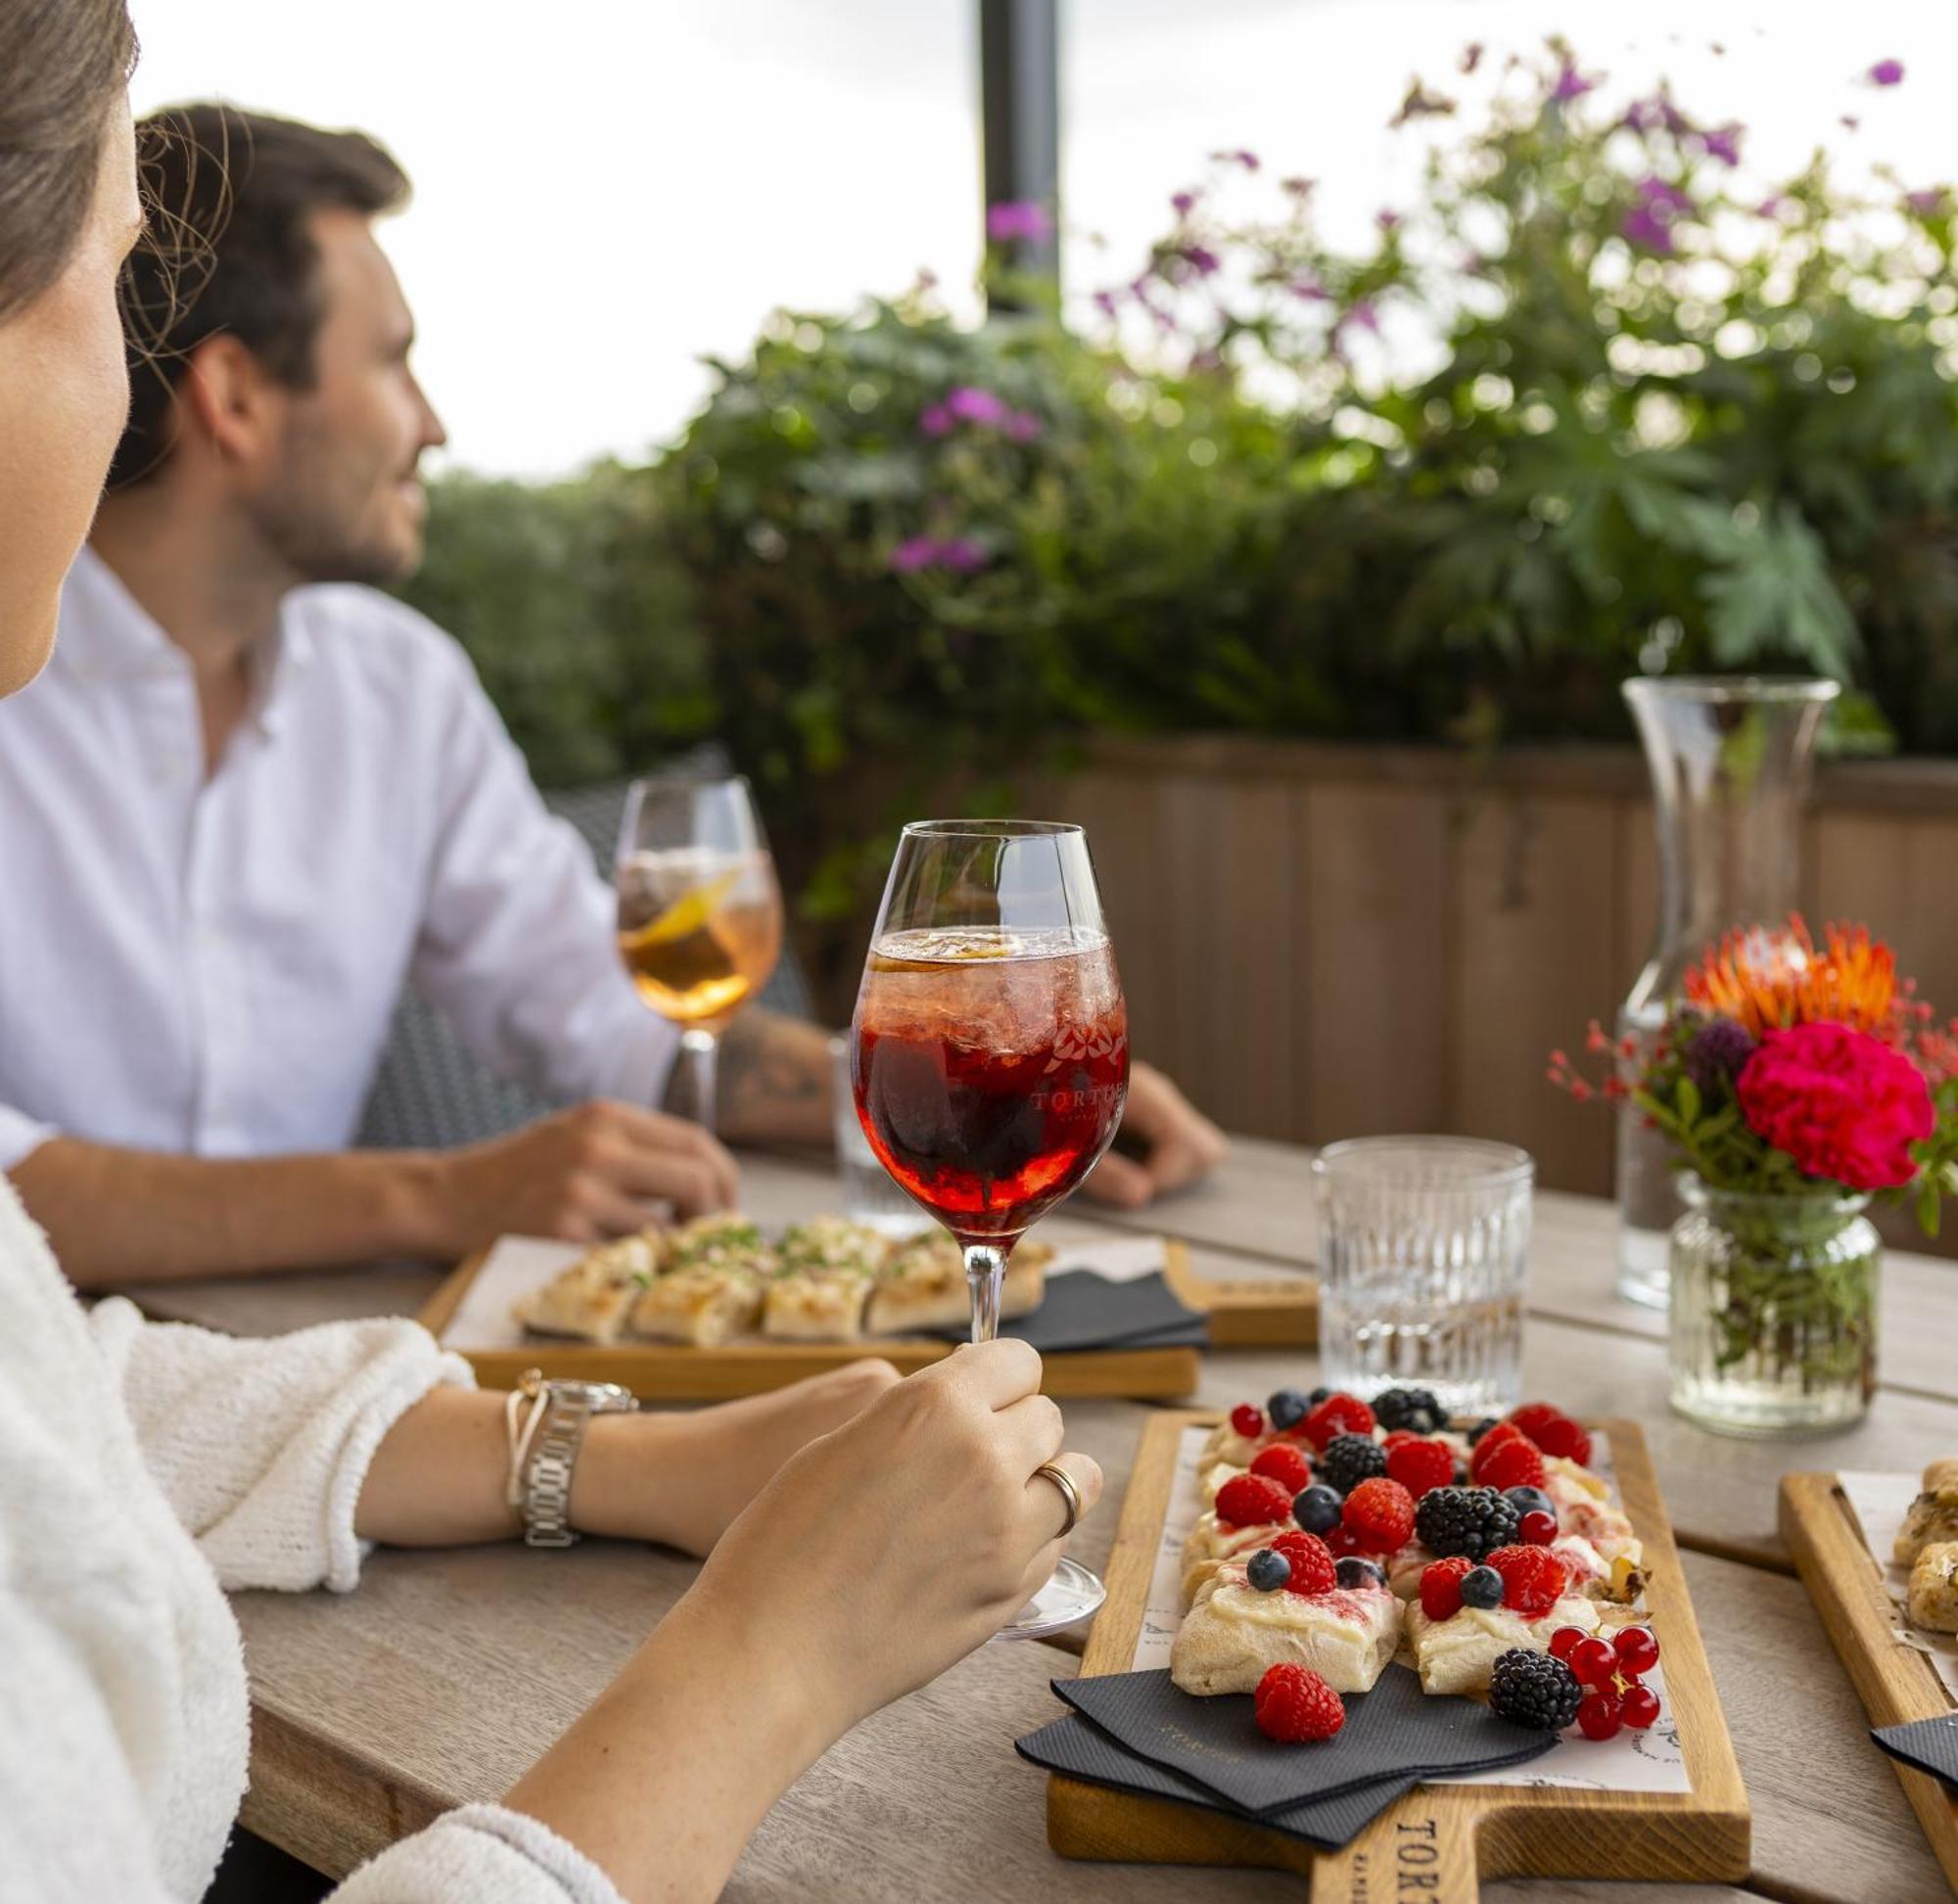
x=1299 y=188
x=1013 y=218
x=1310 y=293
x=1104 y=302
x=1646 y=229
x=915 y=552
x=1362 y=314
x=961 y=555
x=1200 y=259
x=968 y=403
x=1714 y=1054
x=1571 y=84
x=1723 y=143
x=936 y=421
x=1929 y=202
x=1184 y=201
x=1248 y=160
x=1662 y=197
x=1887 y=72
x=1770 y=206
x=1386 y=220
x=1022 y=426
x=1657 y=114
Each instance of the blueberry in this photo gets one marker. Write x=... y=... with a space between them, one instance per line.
x=1317 y=1395
x=1268 y=1571
x=1349 y=1570
x=1483 y=1587
x=1530 y=1501
x=1317 y=1509
x=1287 y=1409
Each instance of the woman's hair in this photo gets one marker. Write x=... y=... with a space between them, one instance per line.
x=63 y=66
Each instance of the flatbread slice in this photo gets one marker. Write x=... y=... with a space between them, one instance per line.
x=922 y=1286
x=703 y=1306
x=590 y=1299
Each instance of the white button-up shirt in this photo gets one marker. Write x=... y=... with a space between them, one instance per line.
x=209 y=967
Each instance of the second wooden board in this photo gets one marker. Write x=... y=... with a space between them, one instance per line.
x=1440 y=1840
x=1896 y=1681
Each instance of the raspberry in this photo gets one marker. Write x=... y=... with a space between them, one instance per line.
x=1349 y=1460
x=1248 y=1420
x=1420 y=1466
x=1251 y=1500
x=1441 y=1586
x=1536 y=1528
x=1380 y=1513
x=1534 y=1579
x=1285 y=1464
x=1553 y=1431
x=1531 y=1688
x=1483 y=1446
x=1311 y=1562
x=1393 y=1440
x=1293 y=1704
x=1513 y=1464
x=1341 y=1540
x=1337 y=1414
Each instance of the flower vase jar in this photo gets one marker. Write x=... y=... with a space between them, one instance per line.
x=1730 y=762
x=1773 y=1310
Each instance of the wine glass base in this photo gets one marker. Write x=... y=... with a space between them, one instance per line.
x=1068 y=1599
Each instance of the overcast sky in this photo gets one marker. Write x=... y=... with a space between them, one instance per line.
x=608 y=189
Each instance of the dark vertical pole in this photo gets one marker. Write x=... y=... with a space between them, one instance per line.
x=1019 y=84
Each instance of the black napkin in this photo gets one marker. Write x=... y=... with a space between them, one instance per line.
x=1085 y=1310
x=1073 y=1747
x=1929 y=1744
x=1395 y=1731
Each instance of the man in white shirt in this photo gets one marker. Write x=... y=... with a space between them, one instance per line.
x=262 y=799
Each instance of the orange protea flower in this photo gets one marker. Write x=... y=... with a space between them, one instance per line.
x=1768 y=979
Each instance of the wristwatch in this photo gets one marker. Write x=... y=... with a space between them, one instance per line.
x=568 y=1409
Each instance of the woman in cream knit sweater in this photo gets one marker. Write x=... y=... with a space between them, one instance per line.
x=145 y=1468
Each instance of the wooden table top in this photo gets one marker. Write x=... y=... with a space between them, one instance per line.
x=449 y=1671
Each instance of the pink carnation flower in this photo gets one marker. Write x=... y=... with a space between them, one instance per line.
x=1843 y=1104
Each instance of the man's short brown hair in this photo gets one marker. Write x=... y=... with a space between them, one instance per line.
x=243 y=187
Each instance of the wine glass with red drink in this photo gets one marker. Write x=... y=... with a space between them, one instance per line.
x=990 y=1053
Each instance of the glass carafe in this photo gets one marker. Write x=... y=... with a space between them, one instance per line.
x=1730 y=762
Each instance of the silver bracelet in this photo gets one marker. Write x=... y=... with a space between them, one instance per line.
x=545 y=1457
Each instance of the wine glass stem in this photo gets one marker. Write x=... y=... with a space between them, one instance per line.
x=703 y=1053
x=985 y=1271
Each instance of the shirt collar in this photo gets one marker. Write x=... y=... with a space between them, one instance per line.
x=107 y=633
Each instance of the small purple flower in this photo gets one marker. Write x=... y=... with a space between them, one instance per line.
x=936 y=421
x=1184 y=201
x=1310 y=293
x=1929 y=202
x=1022 y=426
x=1662 y=197
x=967 y=403
x=1386 y=220
x=1723 y=142
x=1420 y=104
x=961 y=555
x=1848 y=122
x=1887 y=72
x=1571 y=84
x=1472 y=55
x=1644 y=228
x=1248 y=160
x=1201 y=260
x=1299 y=188
x=1013 y=218
x=1770 y=206
x=1362 y=314
x=1104 y=302
x=913 y=553
x=1715 y=1054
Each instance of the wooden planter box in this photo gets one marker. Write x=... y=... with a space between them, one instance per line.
x=1326 y=941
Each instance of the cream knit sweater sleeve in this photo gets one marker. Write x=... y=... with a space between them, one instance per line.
x=262 y=1446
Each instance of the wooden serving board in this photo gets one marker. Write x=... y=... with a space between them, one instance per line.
x=1241 y=1314
x=1898 y=1683
x=1438 y=1841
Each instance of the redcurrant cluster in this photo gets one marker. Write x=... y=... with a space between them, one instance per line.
x=1612 y=1670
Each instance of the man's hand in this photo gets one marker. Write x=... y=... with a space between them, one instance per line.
x=583 y=1175
x=1179 y=1143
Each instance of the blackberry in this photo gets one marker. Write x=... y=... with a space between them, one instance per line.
x=1533 y=1690
x=1349 y=1460
x=1268 y=1571
x=1474 y=1521
x=1286 y=1408
x=1413 y=1408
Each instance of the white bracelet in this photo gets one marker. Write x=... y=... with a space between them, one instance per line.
x=530 y=1388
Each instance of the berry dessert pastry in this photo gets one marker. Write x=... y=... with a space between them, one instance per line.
x=1250 y=1512
x=1288 y=1604
x=1472 y=1611
x=591 y=1298
x=1932 y=1598
x=819 y=1291
x=1932 y=1516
